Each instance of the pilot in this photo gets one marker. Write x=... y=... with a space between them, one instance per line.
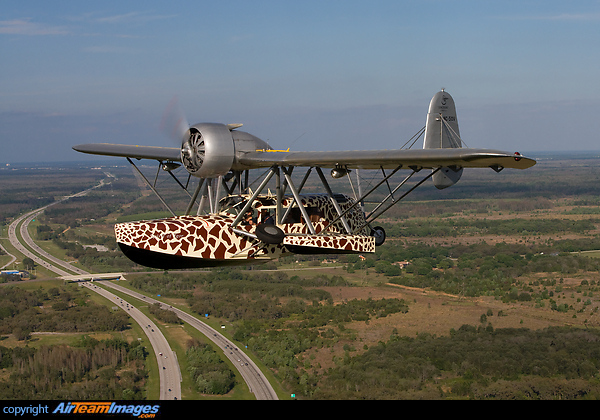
x=267 y=218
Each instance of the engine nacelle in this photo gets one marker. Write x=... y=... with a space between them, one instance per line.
x=208 y=150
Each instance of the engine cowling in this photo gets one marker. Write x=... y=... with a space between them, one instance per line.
x=208 y=150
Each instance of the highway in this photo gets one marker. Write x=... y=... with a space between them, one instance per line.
x=12 y=258
x=168 y=366
x=253 y=376
x=39 y=252
x=169 y=371
x=14 y=240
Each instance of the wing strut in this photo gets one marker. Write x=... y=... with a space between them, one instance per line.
x=246 y=207
x=193 y=199
x=361 y=199
x=164 y=168
x=297 y=199
x=287 y=212
x=334 y=201
x=151 y=187
x=391 y=194
x=370 y=218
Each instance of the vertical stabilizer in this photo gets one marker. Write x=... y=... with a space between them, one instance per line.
x=441 y=132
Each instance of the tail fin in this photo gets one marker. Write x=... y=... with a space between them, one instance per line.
x=441 y=132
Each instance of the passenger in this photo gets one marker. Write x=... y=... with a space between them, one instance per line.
x=248 y=220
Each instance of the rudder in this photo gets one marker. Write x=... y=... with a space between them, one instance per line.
x=441 y=132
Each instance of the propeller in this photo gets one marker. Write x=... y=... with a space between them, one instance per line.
x=174 y=122
x=175 y=125
x=207 y=149
x=193 y=151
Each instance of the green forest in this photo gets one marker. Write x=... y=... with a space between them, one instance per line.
x=89 y=370
x=208 y=371
x=475 y=363
x=58 y=309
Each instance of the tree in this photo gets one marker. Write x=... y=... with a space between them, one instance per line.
x=28 y=263
x=22 y=334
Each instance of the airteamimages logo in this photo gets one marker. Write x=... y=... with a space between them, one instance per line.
x=142 y=411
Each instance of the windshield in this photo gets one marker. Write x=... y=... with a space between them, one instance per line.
x=232 y=204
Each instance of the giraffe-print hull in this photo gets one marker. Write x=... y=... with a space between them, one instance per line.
x=171 y=262
x=208 y=241
x=190 y=241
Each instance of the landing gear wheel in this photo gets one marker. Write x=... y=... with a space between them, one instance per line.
x=379 y=233
x=269 y=234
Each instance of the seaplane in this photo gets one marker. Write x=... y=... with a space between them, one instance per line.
x=227 y=222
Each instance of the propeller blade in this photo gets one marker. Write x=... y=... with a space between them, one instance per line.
x=174 y=122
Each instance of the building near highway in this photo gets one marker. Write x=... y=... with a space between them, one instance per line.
x=18 y=273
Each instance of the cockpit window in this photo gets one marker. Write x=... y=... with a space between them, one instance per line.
x=315 y=214
x=263 y=207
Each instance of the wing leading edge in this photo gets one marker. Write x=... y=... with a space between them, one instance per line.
x=364 y=159
x=136 y=152
x=374 y=159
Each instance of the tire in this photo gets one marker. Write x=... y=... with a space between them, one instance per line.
x=379 y=233
x=269 y=234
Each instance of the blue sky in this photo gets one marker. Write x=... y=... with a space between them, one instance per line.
x=313 y=75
